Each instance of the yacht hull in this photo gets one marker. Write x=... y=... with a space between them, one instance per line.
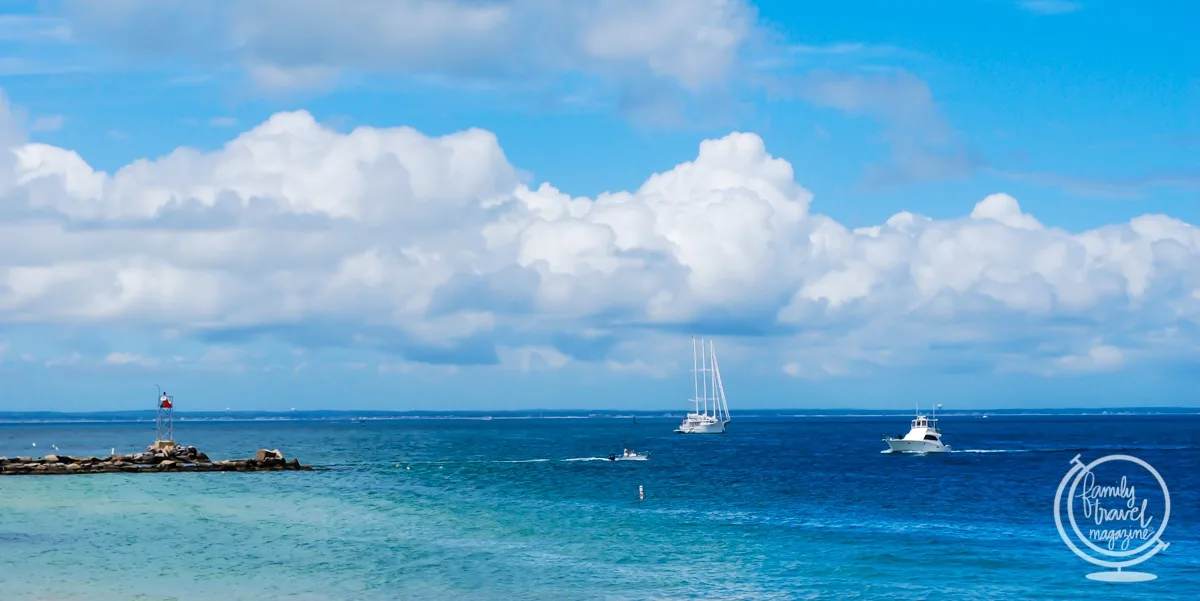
x=701 y=428
x=898 y=445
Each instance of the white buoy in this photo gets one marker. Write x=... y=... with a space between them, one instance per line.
x=35 y=444
x=641 y=493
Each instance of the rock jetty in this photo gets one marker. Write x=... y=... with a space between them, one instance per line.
x=156 y=459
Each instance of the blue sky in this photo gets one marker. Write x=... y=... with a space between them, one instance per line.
x=249 y=221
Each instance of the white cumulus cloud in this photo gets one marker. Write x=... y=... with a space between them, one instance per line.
x=435 y=250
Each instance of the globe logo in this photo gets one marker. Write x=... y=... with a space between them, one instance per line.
x=1115 y=522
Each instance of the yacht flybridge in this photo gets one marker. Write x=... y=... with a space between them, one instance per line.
x=710 y=412
x=924 y=437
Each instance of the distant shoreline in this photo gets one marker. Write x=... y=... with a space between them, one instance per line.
x=137 y=416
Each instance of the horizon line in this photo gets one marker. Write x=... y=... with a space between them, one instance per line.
x=658 y=412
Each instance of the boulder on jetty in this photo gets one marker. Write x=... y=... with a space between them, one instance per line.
x=157 y=458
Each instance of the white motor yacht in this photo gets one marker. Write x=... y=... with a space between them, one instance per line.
x=924 y=437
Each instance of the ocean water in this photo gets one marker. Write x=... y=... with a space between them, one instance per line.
x=779 y=508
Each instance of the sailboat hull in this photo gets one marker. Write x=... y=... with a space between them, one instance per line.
x=701 y=428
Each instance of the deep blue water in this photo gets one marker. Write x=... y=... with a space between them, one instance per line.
x=779 y=508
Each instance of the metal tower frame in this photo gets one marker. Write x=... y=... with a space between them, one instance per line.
x=164 y=420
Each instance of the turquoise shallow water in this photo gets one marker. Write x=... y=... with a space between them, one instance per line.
x=780 y=508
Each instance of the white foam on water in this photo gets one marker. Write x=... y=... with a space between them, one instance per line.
x=443 y=463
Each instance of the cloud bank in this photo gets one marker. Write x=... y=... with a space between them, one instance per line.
x=436 y=250
x=306 y=43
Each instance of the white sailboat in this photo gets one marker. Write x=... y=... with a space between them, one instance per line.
x=710 y=412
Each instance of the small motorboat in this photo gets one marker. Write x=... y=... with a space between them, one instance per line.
x=629 y=455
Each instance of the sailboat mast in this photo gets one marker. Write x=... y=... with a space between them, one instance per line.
x=723 y=413
x=712 y=375
x=695 y=378
x=704 y=379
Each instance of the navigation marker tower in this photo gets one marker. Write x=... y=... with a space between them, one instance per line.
x=164 y=422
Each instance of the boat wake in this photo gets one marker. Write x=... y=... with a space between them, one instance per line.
x=1097 y=448
x=890 y=451
x=617 y=458
x=491 y=461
